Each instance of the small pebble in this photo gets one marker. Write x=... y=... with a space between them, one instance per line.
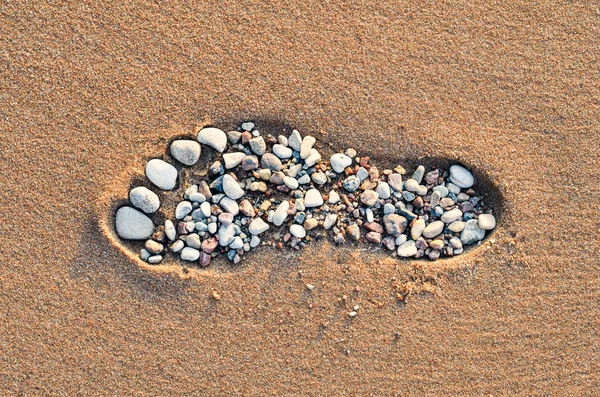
x=144 y=199
x=162 y=174
x=185 y=151
x=214 y=138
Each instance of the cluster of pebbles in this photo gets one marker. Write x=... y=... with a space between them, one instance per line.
x=258 y=182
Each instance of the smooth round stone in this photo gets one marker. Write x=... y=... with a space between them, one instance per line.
x=383 y=189
x=407 y=249
x=456 y=226
x=282 y=140
x=232 y=188
x=295 y=140
x=313 y=198
x=370 y=215
x=281 y=213
x=258 y=226
x=442 y=191
x=214 y=138
x=452 y=188
x=351 y=183
x=248 y=126
x=226 y=234
x=304 y=179
x=452 y=215
x=418 y=174
x=411 y=185
x=319 y=178
x=297 y=231
x=417 y=229
x=254 y=241
x=330 y=220
x=313 y=158
x=197 y=197
x=212 y=228
x=233 y=159
x=401 y=239
x=170 y=230
x=177 y=246
x=389 y=209
x=283 y=152
x=307 y=144
x=461 y=176
x=334 y=197
x=161 y=173
x=258 y=145
x=311 y=223
x=471 y=233
x=230 y=205
x=205 y=208
x=456 y=243
x=421 y=190
x=339 y=162
x=182 y=209
x=270 y=161
x=290 y=182
x=486 y=221
x=144 y=199
x=234 y=136
x=185 y=151
x=132 y=224
x=236 y=243
x=433 y=229
x=190 y=254
x=369 y=197
x=435 y=199
x=250 y=163
x=155 y=259
x=154 y=247
x=294 y=170
x=193 y=241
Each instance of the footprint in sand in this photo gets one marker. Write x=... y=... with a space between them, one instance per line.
x=257 y=189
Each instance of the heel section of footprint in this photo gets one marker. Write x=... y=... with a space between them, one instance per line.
x=257 y=184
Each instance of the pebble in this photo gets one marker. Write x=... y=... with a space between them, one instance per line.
x=281 y=213
x=388 y=208
x=307 y=145
x=295 y=141
x=401 y=239
x=433 y=229
x=394 y=224
x=304 y=179
x=486 y=221
x=353 y=231
x=144 y=254
x=258 y=145
x=205 y=208
x=319 y=178
x=190 y=254
x=435 y=199
x=234 y=136
x=411 y=185
x=250 y=163
x=226 y=234
x=471 y=233
x=330 y=220
x=373 y=237
x=456 y=226
x=154 y=247
x=297 y=231
x=362 y=174
x=144 y=199
x=197 y=198
x=461 y=176
x=248 y=126
x=441 y=190
x=313 y=198
x=283 y=152
x=351 y=183
x=418 y=174
x=155 y=259
x=185 y=151
x=451 y=216
x=230 y=205
x=369 y=197
x=384 y=191
x=339 y=162
x=258 y=226
x=214 y=138
x=236 y=243
x=455 y=242
x=177 y=246
x=311 y=223
x=254 y=241
x=395 y=182
x=452 y=188
x=162 y=174
x=233 y=159
x=232 y=188
x=183 y=208
x=334 y=197
x=290 y=182
x=204 y=259
x=170 y=230
x=271 y=162
x=407 y=249
x=417 y=229
x=313 y=158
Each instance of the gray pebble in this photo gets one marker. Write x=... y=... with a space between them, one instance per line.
x=270 y=161
x=471 y=233
x=283 y=152
x=461 y=177
x=132 y=224
x=144 y=199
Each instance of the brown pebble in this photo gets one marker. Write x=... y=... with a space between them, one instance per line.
x=154 y=247
x=373 y=227
x=373 y=174
x=216 y=296
x=364 y=161
x=246 y=136
x=418 y=202
x=182 y=228
x=204 y=259
x=373 y=237
x=209 y=245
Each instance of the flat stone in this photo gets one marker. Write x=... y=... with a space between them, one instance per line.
x=162 y=174
x=233 y=159
x=417 y=228
x=394 y=224
x=395 y=182
x=330 y=220
x=369 y=197
x=451 y=216
x=297 y=231
x=177 y=246
x=339 y=162
x=455 y=243
x=307 y=144
x=214 y=138
x=185 y=151
x=362 y=173
x=407 y=249
x=258 y=226
x=232 y=188
x=155 y=259
x=144 y=199
x=281 y=213
x=290 y=182
x=442 y=191
x=183 y=209
x=452 y=188
x=170 y=230
x=258 y=145
x=433 y=229
x=472 y=233
x=132 y=224
x=486 y=221
x=313 y=198
x=271 y=162
x=197 y=198
x=295 y=141
x=283 y=152
x=461 y=176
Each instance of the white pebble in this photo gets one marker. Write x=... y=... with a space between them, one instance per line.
x=313 y=158
x=334 y=197
x=297 y=231
x=144 y=199
x=307 y=144
x=330 y=220
x=281 y=213
x=132 y=224
x=197 y=197
x=185 y=151
x=486 y=221
x=339 y=162
x=232 y=188
x=233 y=159
x=230 y=205
x=205 y=208
x=170 y=230
x=190 y=254
x=177 y=246
x=283 y=152
x=161 y=173
x=407 y=249
x=290 y=182
x=313 y=198
x=295 y=141
x=214 y=138
x=461 y=176
x=258 y=226
x=183 y=208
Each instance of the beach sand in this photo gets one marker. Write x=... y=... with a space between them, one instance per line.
x=91 y=92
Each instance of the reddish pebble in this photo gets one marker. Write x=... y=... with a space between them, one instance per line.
x=373 y=237
x=364 y=161
x=209 y=245
x=373 y=227
x=204 y=259
x=246 y=136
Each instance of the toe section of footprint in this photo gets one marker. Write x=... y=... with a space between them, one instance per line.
x=279 y=191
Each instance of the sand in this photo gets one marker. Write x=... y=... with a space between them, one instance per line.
x=90 y=92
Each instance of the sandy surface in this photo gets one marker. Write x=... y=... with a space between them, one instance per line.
x=88 y=93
